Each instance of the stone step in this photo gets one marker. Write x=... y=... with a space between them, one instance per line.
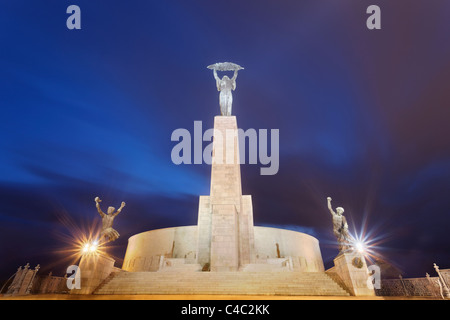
x=227 y=275
x=181 y=267
x=281 y=292
x=255 y=283
x=220 y=281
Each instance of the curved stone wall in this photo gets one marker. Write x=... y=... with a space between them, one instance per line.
x=145 y=249
x=302 y=248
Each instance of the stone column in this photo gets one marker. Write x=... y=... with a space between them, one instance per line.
x=204 y=233
x=225 y=196
x=246 y=233
x=94 y=268
x=225 y=218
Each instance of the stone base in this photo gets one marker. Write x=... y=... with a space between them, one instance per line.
x=94 y=269
x=147 y=251
x=352 y=270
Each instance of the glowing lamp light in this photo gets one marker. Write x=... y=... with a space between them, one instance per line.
x=90 y=247
x=359 y=246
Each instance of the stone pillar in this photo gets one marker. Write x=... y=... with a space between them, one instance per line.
x=225 y=218
x=94 y=268
x=351 y=267
x=204 y=232
x=225 y=167
x=246 y=234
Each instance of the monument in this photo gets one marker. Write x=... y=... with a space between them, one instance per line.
x=224 y=253
x=225 y=238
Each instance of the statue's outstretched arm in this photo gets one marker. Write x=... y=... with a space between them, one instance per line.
x=234 y=79
x=217 y=79
x=97 y=204
x=215 y=75
x=120 y=209
x=235 y=75
x=329 y=206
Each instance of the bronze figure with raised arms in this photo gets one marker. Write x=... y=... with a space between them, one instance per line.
x=107 y=220
x=225 y=85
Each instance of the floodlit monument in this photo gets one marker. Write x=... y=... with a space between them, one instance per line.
x=224 y=253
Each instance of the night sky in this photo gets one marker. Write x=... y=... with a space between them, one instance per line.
x=363 y=117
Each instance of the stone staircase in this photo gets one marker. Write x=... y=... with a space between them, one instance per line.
x=233 y=283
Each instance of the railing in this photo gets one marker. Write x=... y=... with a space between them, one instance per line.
x=27 y=281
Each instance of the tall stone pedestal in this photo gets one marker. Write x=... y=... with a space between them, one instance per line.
x=94 y=268
x=352 y=270
x=225 y=218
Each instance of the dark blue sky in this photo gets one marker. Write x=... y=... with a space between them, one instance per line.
x=363 y=117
